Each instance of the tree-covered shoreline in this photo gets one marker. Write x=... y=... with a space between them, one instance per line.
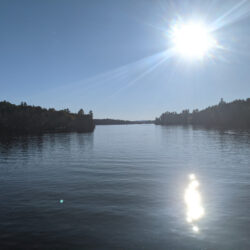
x=26 y=119
x=232 y=115
x=109 y=121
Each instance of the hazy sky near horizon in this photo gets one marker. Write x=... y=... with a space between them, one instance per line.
x=104 y=55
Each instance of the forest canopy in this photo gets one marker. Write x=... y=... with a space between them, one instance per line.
x=234 y=114
x=26 y=119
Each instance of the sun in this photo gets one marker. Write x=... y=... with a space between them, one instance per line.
x=192 y=40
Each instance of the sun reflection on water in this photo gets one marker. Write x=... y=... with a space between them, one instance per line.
x=193 y=200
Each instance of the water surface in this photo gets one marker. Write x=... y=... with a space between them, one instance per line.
x=123 y=187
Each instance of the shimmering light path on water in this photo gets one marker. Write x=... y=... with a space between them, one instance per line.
x=123 y=187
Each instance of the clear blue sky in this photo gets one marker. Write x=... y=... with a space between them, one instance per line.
x=94 y=54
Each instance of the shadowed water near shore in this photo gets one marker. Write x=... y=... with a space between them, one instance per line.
x=123 y=187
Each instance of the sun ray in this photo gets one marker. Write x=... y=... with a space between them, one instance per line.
x=236 y=13
x=164 y=56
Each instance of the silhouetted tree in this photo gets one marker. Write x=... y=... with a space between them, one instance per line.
x=66 y=111
x=23 y=104
x=80 y=112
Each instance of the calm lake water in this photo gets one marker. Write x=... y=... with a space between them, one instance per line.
x=126 y=187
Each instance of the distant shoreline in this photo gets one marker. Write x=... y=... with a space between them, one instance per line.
x=26 y=119
x=109 y=121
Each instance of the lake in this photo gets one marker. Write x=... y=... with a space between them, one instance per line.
x=126 y=187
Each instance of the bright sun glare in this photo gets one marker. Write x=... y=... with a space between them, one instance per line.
x=195 y=210
x=192 y=40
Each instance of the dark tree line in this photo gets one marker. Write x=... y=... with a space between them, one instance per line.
x=235 y=114
x=119 y=122
x=25 y=119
